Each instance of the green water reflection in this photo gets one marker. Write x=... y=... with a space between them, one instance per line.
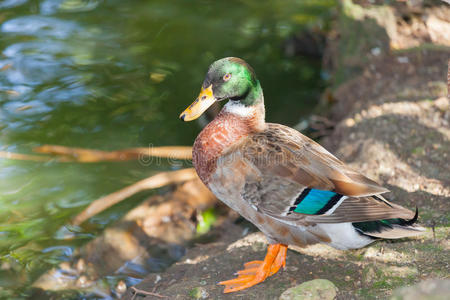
x=116 y=74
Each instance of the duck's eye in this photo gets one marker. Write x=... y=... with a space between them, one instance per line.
x=227 y=77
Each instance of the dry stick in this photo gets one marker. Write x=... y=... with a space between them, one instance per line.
x=152 y=182
x=145 y=293
x=90 y=155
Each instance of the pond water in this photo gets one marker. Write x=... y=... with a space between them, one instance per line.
x=116 y=74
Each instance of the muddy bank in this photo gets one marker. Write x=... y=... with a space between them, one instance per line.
x=148 y=238
x=392 y=123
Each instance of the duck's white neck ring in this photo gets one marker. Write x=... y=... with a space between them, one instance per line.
x=255 y=114
x=239 y=109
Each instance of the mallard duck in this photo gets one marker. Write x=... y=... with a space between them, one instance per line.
x=287 y=185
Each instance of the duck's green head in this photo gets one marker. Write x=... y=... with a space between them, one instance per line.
x=228 y=78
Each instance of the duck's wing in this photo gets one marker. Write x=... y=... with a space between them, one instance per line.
x=297 y=179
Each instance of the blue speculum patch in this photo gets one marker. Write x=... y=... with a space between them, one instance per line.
x=313 y=201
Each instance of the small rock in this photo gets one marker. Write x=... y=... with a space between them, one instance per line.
x=121 y=287
x=442 y=103
x=375 y=51
x=158 y=278
x=198 y=293
x=315 y=289
x=64 y=266
x=83 y=282
x=80 y=265
x=429 y=289
x=349 y=122
x=439 y=30
x=403 y=59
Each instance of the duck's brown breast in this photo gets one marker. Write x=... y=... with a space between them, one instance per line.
x=215 y=140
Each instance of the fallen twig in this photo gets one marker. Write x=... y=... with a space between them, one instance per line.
x=142 y=292
x=152 y=182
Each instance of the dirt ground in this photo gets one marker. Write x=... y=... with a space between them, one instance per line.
x=392 y=113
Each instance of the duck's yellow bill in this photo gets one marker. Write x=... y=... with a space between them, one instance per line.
x=204 y=100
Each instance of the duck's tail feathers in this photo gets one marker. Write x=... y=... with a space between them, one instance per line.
x=390 y=228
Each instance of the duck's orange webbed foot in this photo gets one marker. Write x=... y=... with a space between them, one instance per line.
x=257 y=271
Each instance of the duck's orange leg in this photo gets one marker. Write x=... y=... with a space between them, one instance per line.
x=257 y=271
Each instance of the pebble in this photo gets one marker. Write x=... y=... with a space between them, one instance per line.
x=82 y=282
x=158 y=278
x=121 y=287
x=375 y=51
x=80 y=266
x=198 y=293
x=317 y=289
x=403 y=59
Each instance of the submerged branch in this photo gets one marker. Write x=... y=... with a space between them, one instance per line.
x=152 y=182
x=89 y=155
x=68 y=154
x=31 y=157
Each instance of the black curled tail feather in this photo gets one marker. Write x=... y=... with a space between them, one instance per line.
x=389 y=228
x=413 y=220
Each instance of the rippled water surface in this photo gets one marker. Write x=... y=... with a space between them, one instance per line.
x=116 y=74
